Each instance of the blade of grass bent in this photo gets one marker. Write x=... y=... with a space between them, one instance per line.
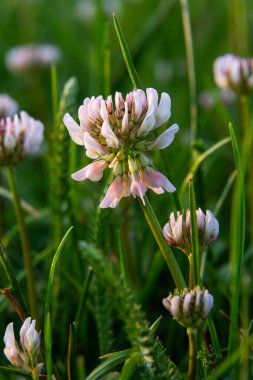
x=47 y=323
x=237 y=244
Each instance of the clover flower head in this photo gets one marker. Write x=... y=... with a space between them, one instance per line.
x=24 y=354
x=177 y=231
x=23 y=58
x=189 y=307
x=19 y=136
x=234 y=72
x=117 y=135
x=8 y=106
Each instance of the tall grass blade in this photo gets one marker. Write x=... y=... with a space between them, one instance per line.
x=47 y=322
x=126 y=54
x=129 y=367
x=237 y=247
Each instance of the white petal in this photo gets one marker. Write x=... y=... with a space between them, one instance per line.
x=148 y=124
x=125 y=125
x=152 y=99
x=24 y=329
x=93 y=148
x=164 y=140
x=111 y=139
x=164 y=110
x=9 y=138
x=75 y=131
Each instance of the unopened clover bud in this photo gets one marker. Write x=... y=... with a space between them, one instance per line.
x=177 y=231
x=23 y=354
x=30 y=338
x=234 y=72
x=189 y=307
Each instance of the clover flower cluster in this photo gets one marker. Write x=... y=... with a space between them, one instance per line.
x=23 y=355
x=177 y=231
x=234 y=72
x=189 y=307
x=118 y=135
x=19 y=136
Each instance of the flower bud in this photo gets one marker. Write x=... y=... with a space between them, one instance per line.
x=234 y=72
x=177 y=231
x=189 y=307
x=19 y=136
x=23 y=355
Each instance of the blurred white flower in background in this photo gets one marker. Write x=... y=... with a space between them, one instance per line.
x=8 y=106
x=23 y=58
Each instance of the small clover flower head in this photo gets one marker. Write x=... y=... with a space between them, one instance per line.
x=234 y=72
x=24 y=354
x=8 y=106
x=19 y=136
x=117 y=135
x=177 y=231
x=189 y=307
x=24 y=58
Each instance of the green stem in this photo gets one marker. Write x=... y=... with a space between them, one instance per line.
x=192 y=367
x=164 y=247
x=190 y=65
x=246 y=156
x=191 y=271
x=24 y=244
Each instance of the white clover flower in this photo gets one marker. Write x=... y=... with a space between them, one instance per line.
x=234 y=72
x=177 y=231
x=8 y=106
x=189 y=307
x=23 y=355
x=118 y=135
x=27 y=57
x=19 y=137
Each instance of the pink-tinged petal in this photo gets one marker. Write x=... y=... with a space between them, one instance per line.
x=24 y=329
x=94 y=108
x=111 y=139
x=164 y=140
x=208 y=303
x=200 y=219
x=34 y=136
x=140 y=102
x=120 y=187
x=75 y=131
x=83 y=115
x=9 y=336
x=93 y=171
x=104 y=111
x=138 y=188
x=93 y=148
x=155 y=180
x=167 y=233
x=164 y=110
x=125 y=124
x=175 y=306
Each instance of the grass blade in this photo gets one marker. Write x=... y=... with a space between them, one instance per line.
x=194 y=235
x=112 y=360
x=237 y=245
x=129 y=367
x=126 y=54
x=47 y=326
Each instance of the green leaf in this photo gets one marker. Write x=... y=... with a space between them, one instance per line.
x=155 y=325
x=112 y=360
x=47 y=323
x=126 y=54
x=130 y=366
x=13 y=371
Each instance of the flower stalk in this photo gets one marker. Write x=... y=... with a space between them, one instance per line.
x=192 y=367
x=165 y=249
x=27 y=257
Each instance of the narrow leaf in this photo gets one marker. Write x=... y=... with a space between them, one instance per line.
x=126 y=54
x=130 y=366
